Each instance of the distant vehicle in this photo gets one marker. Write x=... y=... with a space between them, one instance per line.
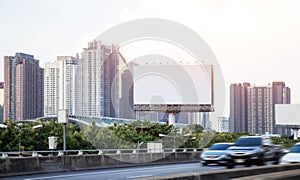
x=215 y=154
x=253 y=150
x=293 y=156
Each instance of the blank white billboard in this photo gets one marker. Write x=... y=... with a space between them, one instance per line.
x=173 y=84
x=287 y=114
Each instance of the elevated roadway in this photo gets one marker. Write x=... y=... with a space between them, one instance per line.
x=123 y=173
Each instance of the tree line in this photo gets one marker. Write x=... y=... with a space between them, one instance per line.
x=126 y=136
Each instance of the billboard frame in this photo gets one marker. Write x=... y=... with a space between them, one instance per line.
x=173 y=108
x=176 y=108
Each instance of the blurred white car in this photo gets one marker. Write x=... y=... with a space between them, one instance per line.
x=293 y=156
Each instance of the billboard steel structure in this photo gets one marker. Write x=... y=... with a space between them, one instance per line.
x=174 y=88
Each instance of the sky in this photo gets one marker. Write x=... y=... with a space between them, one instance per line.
x=255 y=41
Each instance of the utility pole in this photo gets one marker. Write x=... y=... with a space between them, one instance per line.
x=62 y=117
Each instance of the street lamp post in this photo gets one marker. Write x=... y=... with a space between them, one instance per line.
x=174 y=138
x=20 y=133
x=139 y=145
x=188 y=136
x=62 y=117
x=163 y=135
x=20 y=130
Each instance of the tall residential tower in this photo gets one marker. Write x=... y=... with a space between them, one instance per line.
x=1 y=101
x=60 y=85
x=281 y=95
x=98 y=77
x=24 y=87
x=260 y=111
x=238 y=107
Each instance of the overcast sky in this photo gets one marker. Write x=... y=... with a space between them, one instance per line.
x=257 y=41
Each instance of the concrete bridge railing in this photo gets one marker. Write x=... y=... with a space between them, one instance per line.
x=46 y=164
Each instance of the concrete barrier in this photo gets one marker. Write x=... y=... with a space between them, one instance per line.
x=228 y=173
x=47 y=164
x=284 y=175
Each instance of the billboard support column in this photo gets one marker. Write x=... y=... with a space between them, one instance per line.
x=295 y=130
x=137 y=115
x=171 y=118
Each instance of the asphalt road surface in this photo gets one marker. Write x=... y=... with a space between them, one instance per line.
x=123 y=173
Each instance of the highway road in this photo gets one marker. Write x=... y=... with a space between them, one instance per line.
x=122 y=173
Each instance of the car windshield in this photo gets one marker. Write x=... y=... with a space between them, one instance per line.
x=219 y=147
x=249 y=141
x=295 y=149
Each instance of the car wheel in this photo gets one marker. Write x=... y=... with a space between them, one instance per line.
x=276 y=162
x=247 y=165
x=230 y=166
x=261 y=161
x=204 y=164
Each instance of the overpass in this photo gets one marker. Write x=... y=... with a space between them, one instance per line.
x=88 y=120
x=99 y=121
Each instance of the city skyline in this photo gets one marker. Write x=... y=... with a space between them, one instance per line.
x=252 y=107
x=91 y=85
x=254 y=41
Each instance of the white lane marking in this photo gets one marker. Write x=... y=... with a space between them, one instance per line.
x=132 y=177
x=116 y=171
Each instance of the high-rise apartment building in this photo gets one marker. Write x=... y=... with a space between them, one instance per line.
x=98 y=77
x=281 y=95
x=260 y=119
x=223 y=124
x=60 y=85
x=1 y=93
x=200 y=118
x=51 y=78
x=252 y=108
x=1 y=101
x=238 y=107
x=24 y=87
x=67 y=82
x=126 y=100
x=89 y=93
x=286 y=95
x=110 y=72
x=193 y=118
x=205 y=120
x=1 y=114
